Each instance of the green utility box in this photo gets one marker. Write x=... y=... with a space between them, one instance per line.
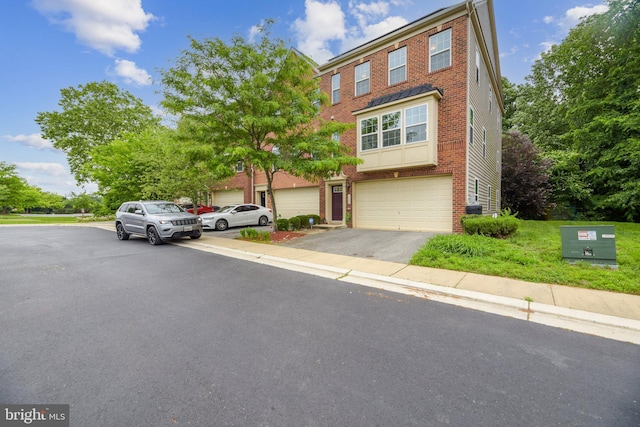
x=595 y=244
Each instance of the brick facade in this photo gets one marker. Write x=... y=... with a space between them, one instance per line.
x=452 y=115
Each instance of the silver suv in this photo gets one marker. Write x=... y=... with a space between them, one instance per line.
x=157 y=220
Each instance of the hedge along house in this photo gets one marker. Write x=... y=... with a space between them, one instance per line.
x=427 y=103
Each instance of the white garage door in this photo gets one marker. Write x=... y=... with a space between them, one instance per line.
x=297 y=201
x=420 y=204
x=228 y=197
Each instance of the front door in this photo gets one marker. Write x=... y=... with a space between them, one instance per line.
x=336 y=203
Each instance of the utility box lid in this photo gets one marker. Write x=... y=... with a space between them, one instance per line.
x=595 y=244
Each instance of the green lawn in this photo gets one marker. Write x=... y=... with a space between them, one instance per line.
x=37 y=219
x=534 y=254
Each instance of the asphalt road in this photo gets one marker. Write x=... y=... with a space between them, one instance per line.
x=134 y=335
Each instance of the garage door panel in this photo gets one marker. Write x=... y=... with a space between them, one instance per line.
x=291 y=202
x=228 y=197
x=422 y=204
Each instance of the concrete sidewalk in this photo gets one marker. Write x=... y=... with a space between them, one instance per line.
x=606 y=314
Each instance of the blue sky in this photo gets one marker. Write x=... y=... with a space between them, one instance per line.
x=47 y=45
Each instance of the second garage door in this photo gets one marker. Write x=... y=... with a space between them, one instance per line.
x=415 y=204
x=297 y=201
x=228 y=197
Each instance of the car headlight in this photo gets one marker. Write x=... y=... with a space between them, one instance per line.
x=199 y=219
x=164 y=221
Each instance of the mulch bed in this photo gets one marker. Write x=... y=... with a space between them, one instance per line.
x=283 y=236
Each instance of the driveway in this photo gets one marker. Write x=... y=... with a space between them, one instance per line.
x=393 y=246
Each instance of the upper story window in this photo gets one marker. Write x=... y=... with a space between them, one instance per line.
x=490 y=99
x=471 y=126
x=363 y=74
x=369 y=133
x=484 y=143
x=398 y=66
x=477 y=66
x=335 y=88
x=416 y=124
x=239 y=166
x=391 y=129
x=440 y=50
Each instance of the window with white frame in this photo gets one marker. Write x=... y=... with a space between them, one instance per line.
x=369 y=133
x=497 y=198
x=335 y=88
x=363 y=74
x=398 y=66
x=394 y=129
x=490 y=99
x=484 y=143
x=240 y=166
x=489 y=194
x=475 y=197
x=477 y=66
x=416 y=124
x=470 y=126
x=440 y=50
x=391 y=129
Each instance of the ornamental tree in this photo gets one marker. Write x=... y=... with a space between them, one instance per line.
x=256 y=102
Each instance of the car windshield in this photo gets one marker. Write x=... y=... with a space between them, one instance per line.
x=160 y=208
x=227 y=209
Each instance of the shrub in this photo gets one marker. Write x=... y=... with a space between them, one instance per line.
x=499 y=227
x=316 y=219
x=295 y=223
x=304 y=221
x=283 y=224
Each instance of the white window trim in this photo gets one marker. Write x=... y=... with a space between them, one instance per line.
x=403 y=128
x=484 y=143
x=434 y=53
x=403 y=65
x=489 y=194
x=334 y=89
x=475 y=195
x=355 y=89
x=471 y=128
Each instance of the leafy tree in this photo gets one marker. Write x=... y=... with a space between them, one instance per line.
x=12 y=187
x=510 y=95
x=581 y=106
x=92 y=115
x=525 y=177
x=257 y=103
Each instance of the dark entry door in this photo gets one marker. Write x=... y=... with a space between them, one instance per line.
x=336 y=203
x=263 y=198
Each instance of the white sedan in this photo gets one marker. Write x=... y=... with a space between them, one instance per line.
x=236 y=216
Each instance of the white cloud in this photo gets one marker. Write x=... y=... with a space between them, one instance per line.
x=326 y=23
x=131 y=73
x=52 y=177
x=574 y=15
x=106 y=26
x=51 y=169
x=34 y=140
x=548 y=19
x=323 y=23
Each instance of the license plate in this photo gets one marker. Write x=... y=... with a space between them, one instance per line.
x=188 y=228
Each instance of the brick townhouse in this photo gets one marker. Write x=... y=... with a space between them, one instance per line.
x=426 y=100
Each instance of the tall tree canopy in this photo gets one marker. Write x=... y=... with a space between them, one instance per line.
x=257 y=103
x=92 y=115
x=581 y=106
